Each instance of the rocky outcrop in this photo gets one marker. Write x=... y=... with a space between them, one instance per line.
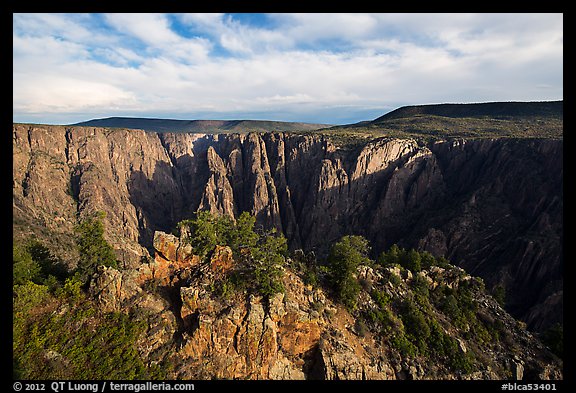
x=301 y=333
x=493 y=206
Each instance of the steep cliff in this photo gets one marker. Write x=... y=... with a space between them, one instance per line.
x=493 y=206
x=300 y=333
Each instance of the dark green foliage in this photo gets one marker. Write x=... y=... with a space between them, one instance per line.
x=411 y=260
x=225 y=287
x=242 y=235
x=258 y=257
x=424 y=336
x=307 y=266
x=443 y=263
x=392 y=257
x=403 y=345
x=268 y=258
x=72 y=288
x=80 y=343
x=33 y=261
x=28 y=295
x=554 y=339
x=50 y=264
x=381 y=315
x=427 y=260
x=24 y=268
x=94 y=249
x=420 y=290
x=209 y=230
x=499 y=294
x=206 y=232
x=310 y=276
x=419 y=333
x=105 y=351
x=446 y=348
x=450 y=308
x=460 y=307
x=381 y=298
x=417 y=328
x=345 y=257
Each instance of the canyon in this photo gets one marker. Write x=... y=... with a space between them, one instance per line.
x=493 y=206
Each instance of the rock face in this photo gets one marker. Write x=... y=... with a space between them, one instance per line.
x=300 y=333
x=494 y=206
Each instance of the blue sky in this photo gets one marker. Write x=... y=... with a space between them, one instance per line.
x=326 y=68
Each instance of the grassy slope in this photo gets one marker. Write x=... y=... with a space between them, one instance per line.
x=492 y=120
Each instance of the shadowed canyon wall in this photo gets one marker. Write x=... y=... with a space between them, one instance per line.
x=492 y=206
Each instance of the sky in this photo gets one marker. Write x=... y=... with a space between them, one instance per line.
x=311 y=67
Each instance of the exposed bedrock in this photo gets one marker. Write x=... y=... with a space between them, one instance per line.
x=492 y=206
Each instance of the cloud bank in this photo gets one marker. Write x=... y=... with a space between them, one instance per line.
x=330 y=68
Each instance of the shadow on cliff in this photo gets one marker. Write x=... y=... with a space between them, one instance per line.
x=487 y=212
x=159 y=201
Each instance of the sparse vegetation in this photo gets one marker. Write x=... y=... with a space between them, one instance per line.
x=427 y=127
x=78 y=344
x=410 y=259
x=60 y=333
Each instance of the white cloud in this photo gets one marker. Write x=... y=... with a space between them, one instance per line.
x=298 y=64
x=52 y=94
x=154 y=31
x=237 y=37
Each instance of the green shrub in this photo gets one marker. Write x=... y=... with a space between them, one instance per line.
x=427 y=260
x=33 y=261
x=269 y=257
x=421 y=292
x=344 y=258
x=392 y=257
x=24 y=268
x=29 y=295
x=411 y=260
x=49 y=263
x=381 y=298
x=415 y=325
x=206 y=233
x=258 y=257
x=94 y=249
x=443 y=263
x=84 y=345
x=241 y=235
x=72 y=288
x=403 y=345
x=209 y=230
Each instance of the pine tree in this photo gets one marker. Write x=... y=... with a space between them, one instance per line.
x=93 y=247
x=343 y=261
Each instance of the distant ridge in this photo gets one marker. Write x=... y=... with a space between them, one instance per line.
x=530 y=119
x=487 y=109
x=200 y=126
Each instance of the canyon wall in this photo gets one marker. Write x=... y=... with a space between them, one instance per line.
x=492 y=206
